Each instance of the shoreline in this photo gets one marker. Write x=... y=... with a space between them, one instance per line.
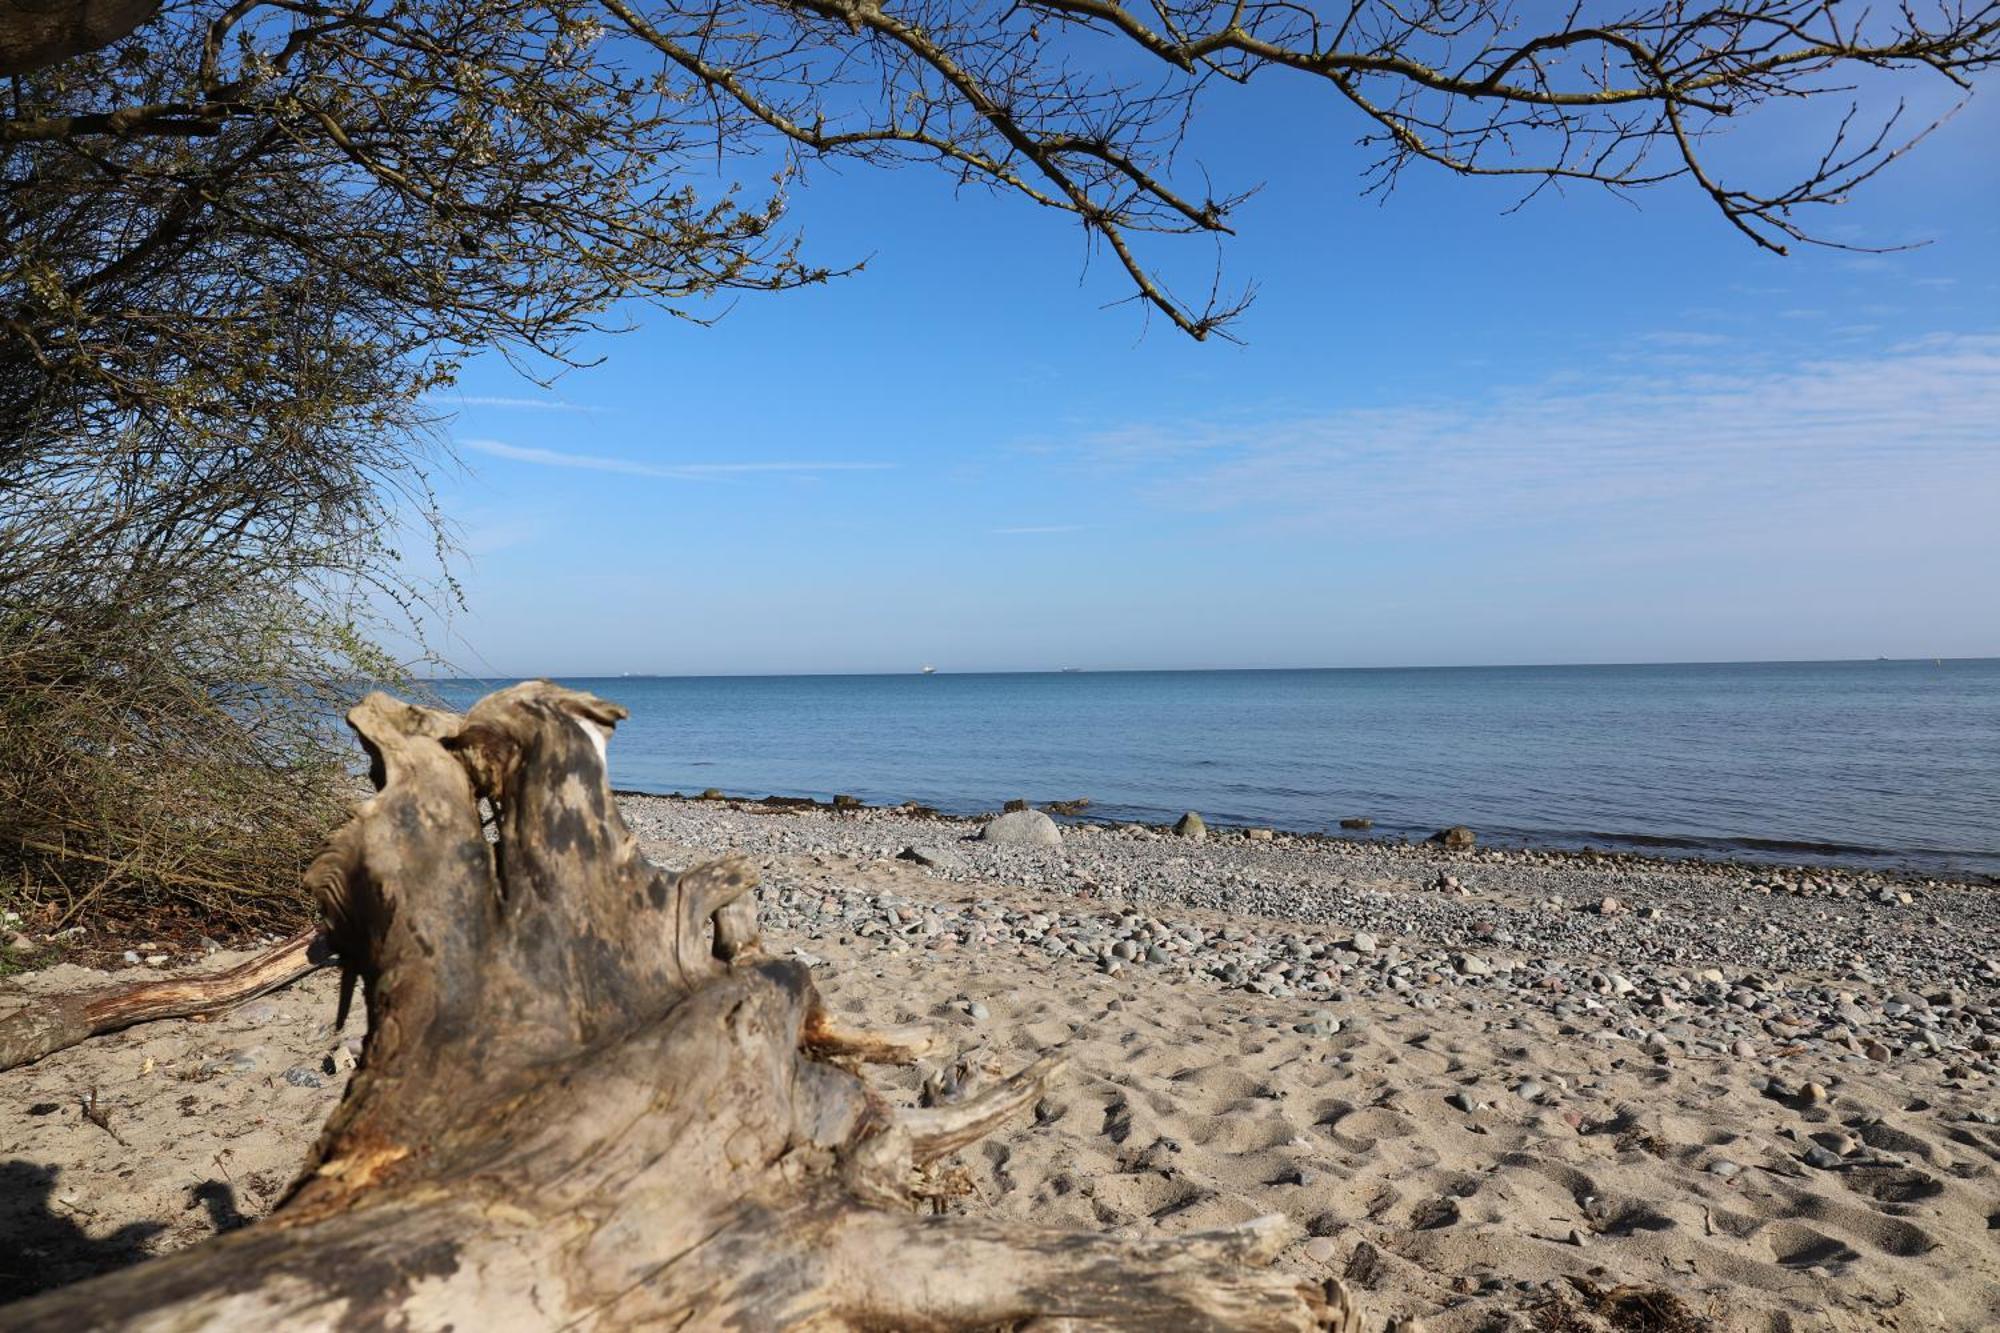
x=1503 y=844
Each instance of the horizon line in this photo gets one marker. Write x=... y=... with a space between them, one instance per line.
x=1135 y=671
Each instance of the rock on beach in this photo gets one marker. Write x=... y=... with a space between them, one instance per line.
x=1022 y=828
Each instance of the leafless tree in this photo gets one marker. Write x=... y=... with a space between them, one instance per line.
x=1078 y=105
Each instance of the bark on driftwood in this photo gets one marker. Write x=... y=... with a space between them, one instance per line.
x=47 y=1025
x=589 y=1100
x=35 y=34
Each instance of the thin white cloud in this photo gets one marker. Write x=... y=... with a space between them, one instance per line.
x=512 y=404
x=1038 y=530
x=1696 y=338
x=661 y=471
x=1728 y=435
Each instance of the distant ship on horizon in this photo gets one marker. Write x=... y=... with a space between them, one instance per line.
x=928 y=670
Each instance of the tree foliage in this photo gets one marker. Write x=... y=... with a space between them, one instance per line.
x=245 y=242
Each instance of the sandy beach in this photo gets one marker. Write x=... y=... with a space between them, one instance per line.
x=1489 y=1089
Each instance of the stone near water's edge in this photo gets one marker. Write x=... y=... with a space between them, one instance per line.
x=1022 y=828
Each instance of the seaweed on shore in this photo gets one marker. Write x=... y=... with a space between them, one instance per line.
x=1620 y=1309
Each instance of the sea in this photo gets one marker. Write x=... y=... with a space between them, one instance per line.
x=1885 y=764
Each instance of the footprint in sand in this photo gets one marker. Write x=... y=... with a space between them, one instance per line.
x=1893 y=1186
x=1795 y=1245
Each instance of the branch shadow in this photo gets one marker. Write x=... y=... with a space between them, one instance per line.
x=41 y=1247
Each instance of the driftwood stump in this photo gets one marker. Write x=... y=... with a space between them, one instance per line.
x=588 y=1100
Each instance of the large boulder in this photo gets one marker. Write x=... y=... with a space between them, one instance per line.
x=1458 y=837
x=1022 y=828
x=1190 y=825
x=1357 y=821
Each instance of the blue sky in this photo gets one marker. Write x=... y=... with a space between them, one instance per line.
x=1584 y=431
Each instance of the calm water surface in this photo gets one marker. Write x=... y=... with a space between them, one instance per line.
x=1886 y=763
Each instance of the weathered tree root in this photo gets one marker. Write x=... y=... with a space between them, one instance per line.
x=589 y=1100
x=46 y=1026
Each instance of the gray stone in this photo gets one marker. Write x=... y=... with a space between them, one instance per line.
x=1022 y=828
x=1458 y=837
x=1190 y=825
x=1357 y=822
x=301 y=1077
x=933 y=858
